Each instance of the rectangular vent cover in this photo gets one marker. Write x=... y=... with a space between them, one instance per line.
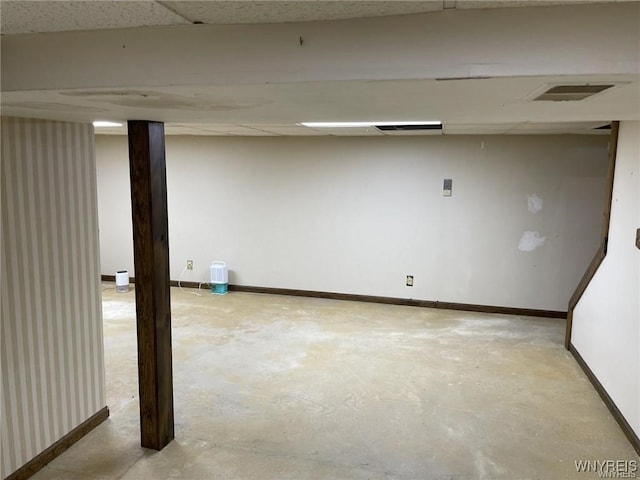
x=571 y=93
x=407 y=128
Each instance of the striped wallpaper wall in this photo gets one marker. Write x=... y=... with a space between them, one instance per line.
x=51 y=332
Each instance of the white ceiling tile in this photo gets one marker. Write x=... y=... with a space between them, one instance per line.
x=19 y=16
x=248 y=11
x=205 y=125
x=348 y=132
x=255 y=133
x=184 y=130
x=288 y=130
x=475 y=4
x=236 y=129
x=249 y=132
x=554 y=127
x=475 y=129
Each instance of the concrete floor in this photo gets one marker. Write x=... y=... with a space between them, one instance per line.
x=275 y=387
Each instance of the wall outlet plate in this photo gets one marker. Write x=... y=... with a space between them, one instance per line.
x=447 y=187
x=189 y=264
x=409 y=280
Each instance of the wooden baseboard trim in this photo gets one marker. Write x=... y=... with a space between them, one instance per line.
x=41 y=460
x=401 y=301
x=196 y=285
x=467 y=307
x=617 y=414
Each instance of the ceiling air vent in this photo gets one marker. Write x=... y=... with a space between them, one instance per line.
x=571 y=93
x=416 y=129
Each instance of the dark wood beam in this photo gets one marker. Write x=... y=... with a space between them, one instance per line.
x=151 y=260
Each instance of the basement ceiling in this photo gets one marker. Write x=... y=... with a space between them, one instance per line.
x=21 y=16
x=502 y=105
x=288 y=130
x=278 y=109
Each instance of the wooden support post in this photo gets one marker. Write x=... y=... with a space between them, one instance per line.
x=153 y=303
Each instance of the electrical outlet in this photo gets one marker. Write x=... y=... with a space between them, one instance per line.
x=189 y=264
x=409 y=280
x=447 y=187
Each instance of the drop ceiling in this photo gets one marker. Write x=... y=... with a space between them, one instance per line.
x=464 y=106
x=235 y=130
x=38 y=16
x=470 y=106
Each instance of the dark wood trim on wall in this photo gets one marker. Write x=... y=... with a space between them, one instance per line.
x=402 y=301
x=147 y=170
x=604 y=235
x=467 y=307
x=611 y=171
x=183 y=284
x=59 y=447
x=626 y=428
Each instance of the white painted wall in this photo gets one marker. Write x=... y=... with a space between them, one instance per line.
x=356 y=215
x=51 y=330
x=606 y=321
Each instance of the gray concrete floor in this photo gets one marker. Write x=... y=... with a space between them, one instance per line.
x=275 y=387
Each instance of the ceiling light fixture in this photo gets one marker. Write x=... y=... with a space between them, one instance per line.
x=363 y=124
x=102 y=123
